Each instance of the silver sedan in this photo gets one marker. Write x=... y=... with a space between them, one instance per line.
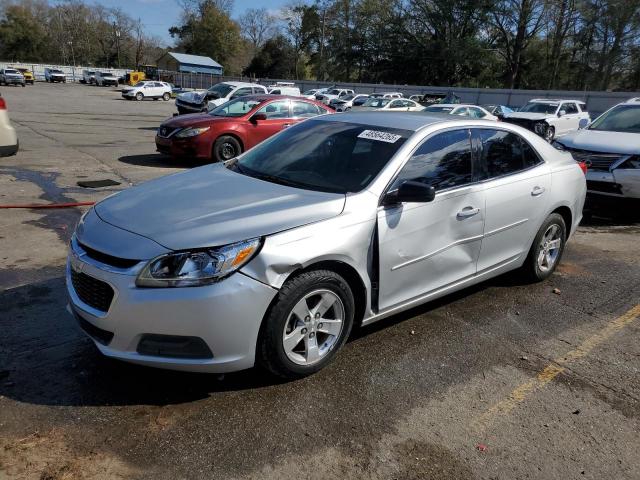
x=271 y=258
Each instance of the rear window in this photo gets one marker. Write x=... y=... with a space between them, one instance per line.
x=328 y=156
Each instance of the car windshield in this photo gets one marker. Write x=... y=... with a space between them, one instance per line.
x=10 y=70
x=309 y=92
x=328 y=156
x=623 y=118
x=235 y=108
x=55 y=71
x=348 y=97
x=535 y=107
x=89 y=72
x=334 y=92
x=439 y=109
x=376 y=102
x=105 y=74
x=222 y=89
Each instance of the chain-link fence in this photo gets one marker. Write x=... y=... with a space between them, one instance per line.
x=74 y=74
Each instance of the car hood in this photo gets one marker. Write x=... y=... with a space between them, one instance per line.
x=191 y=119
x=196 y=96
x=109 y=77
x=602 y=141
x=211 y=206
x=529 y=115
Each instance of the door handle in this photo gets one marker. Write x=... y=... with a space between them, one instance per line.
x=537 y=191
x=467 y=212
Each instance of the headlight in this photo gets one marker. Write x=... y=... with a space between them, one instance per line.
x=198 y=267
x=191 y=132
x=540 y=128
x=558 y=145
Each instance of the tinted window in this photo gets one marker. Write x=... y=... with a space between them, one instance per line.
x=443 y=161
x=570 y=108
x=359 y=101
x=504 y=153
x=241 y=92
x=305 y=110
x=321 y=155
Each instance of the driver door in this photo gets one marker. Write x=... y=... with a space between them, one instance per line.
x=278 y=118
x=424 y=247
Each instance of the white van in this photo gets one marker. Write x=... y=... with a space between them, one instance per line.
x=292 y=91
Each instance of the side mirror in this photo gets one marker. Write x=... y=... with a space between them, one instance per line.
x=258 y=116
x=410 y=191
x=562 y=113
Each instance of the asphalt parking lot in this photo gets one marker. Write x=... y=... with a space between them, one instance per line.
x=500 y=381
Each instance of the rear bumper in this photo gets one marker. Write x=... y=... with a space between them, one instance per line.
x=9 y=150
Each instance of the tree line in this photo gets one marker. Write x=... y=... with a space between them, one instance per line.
x=538 y=44
x=73 y=32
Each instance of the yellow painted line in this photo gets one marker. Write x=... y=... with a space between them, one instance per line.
x=554 y=369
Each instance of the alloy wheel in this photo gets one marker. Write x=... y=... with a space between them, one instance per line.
x=313 y=327
x=227 y=151
x=549 y=248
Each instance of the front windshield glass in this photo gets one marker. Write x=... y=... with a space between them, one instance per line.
x=235 y=108
x=55 y=71
x=376 y=102
x=309 y=92
x=546 y=108
x=439 y=109
x=222 y=89
x=623 y=118
x=334 y=92
x=10 y=70
x=328 y=156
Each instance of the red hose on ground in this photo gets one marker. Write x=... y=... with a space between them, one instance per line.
x=49 y=205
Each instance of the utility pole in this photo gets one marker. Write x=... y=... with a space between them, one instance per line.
x=117 y=42
x=73 y=55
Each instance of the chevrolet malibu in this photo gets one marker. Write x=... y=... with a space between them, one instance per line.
x=271 y=258
x=236 y=126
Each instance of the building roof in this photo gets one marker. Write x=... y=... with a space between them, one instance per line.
x=194 y=59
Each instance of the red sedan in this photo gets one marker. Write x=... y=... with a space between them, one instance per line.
x=233 y=127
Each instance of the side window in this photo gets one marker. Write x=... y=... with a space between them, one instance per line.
x=158 y=84
x=396 y=104
x=504 y=153
x=276 y=92
x=359 y=101
x=462 y=111
x=304 y=110
x=476 y=112
x=570 y=108
x=241 y=92
x=275 y=110
x=442 y=161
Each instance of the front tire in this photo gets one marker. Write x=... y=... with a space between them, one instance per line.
x=166 y=97
x=139 y=96
x=307 y=324
x=547 y=249
x=225 y=148
x=550 y=134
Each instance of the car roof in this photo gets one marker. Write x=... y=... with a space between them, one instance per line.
x=413 y=121
x=244 y=84
x=552 y=100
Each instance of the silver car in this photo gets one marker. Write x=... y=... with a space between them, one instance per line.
x=271 y=258
x=610 y=147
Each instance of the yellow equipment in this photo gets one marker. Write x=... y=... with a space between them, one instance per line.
x=134 y=77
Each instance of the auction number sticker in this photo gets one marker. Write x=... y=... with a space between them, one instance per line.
x=380 y=136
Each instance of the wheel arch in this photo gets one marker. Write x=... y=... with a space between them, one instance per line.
x=567 y=215
x=351 y=276
x=229 y=133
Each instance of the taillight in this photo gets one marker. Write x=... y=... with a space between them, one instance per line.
x=3 y=104
x=583 y=167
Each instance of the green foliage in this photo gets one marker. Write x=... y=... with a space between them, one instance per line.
x=276 y=59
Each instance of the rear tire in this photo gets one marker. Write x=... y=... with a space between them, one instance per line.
x=547 y=249
x=225 y=148
x=166 y=97
x=318 y=341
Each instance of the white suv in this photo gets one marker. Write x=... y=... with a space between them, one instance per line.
x=8 y=137
x=551 y=118
x=333 y=94
x=148 y=89
x=204 y=100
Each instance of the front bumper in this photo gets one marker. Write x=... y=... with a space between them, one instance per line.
x=55 y=78
x=14 y=81
x=226 y=316
x=186 y=148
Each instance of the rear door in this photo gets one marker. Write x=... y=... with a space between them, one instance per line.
x=571 y=119
x=427 y=246
x=278 y=118
x=516 y=187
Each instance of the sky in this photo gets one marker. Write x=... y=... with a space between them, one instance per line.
x=159 y=15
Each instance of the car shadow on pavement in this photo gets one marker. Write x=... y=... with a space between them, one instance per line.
x=45 y=359
x=159 y=160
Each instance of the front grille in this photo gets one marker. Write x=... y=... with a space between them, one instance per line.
x=95 y=293
x=595 y=160
x=108 y=259
x=98 y=334
x=166 y=132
